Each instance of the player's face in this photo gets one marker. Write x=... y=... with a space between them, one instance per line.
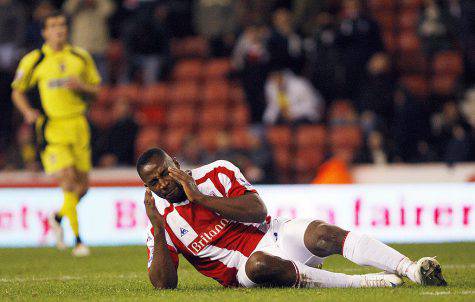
x=156 y=177
x=56 y=30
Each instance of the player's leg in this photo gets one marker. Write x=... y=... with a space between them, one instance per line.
x=323 y=240
x=263 y=269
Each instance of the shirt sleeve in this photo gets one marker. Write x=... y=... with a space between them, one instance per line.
x=233 y=181
x=24 y=78
x=150 y=247
x=91 y=74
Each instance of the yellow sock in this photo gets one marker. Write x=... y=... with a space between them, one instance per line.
x=68 y=209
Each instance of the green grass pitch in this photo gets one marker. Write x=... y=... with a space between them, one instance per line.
x=119 y=273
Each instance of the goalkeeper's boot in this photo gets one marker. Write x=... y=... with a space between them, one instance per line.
x=429 y=272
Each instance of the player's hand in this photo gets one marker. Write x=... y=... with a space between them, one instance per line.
x=75 y=84
x=188 y=184
x=31 y=116
x=151 y=209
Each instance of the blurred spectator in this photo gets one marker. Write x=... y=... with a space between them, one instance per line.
x=250 y=60
x=89 y=28
x=467 y=39
x=358 y=40
x=33 y=33
x=452 y=134
x=216 y=20
x=291 y=99
x=324 y=66
x=410 y=125
x=335 y=170
x=147 y=42
x=375 y=94
x=305 y=13
x=434 y=28
x=284 y=45
x=22 y=154
x=375 y=150
x=119 y=147
x=12 y=33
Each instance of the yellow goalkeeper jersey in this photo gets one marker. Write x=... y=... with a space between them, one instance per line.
x=50 y=70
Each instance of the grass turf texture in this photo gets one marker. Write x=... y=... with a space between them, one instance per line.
x=118 y=273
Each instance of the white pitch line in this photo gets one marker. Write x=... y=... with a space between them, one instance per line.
x=447 y=293
x=68 y=278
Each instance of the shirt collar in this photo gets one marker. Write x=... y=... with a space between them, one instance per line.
x=48 y=50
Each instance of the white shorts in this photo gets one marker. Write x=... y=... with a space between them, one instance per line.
x=284 y=239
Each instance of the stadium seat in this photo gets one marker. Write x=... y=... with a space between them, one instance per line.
x=240 y=116
x=408 y=20
x=386 y=20
x=382 y=5
x=241 y=138
x=412 y=63
x=342 y=110
x=99 y=117
x=408 y=42
x=390 y=43
x=306 y=163
x=156 y=94
x=282 y=164
x=444 y=85
x=417 y=85
x=310 y=136
x=190 y=47
x=448 y=62
x=345 y=137
x=279 y=136
x=411 y=4
x=181 y=117
x=237 y=95
x=214 y=117
x=184 y=93
x=150 y=115
x=216 y=93
x=188 y=70
x=148 y=137
x=208 y=139
x=105 y=95
x=130 y=91
x=217 y=69
x=173 y=140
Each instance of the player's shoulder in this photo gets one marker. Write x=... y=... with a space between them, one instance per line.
x=32 y=57
x=79 y=51
x=215 y=166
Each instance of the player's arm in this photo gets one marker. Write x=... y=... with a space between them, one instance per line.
x=81 y=86
x=248 y=207
x=21 y=103
x=162 y=272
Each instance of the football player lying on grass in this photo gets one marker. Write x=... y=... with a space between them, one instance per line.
x=217 y=221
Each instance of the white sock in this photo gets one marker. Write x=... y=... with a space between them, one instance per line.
x=407 y=268
x=364 y=250
x=309 y=277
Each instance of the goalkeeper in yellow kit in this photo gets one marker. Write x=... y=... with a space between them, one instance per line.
x=66 y=77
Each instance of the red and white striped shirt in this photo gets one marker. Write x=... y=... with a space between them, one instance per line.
x=214 y=245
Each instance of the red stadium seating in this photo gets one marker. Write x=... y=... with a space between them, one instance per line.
x=390 y=43
x=208 y=139
x=279 y=136
x=448 y=62
x=386 y=20
x=444 y=85
x=411 y=4
x=105 y=95
x=240 y=116
x=385 y=5
x=237 y=95
x=181 y=117
x=216 y=93
x=408 y=42
x=217 y=69
x=188 y=70
x=156 y=94
x=408 y=20
x=311 y=136
x=148 y=137
x=150 y=115
x=173 y=140
x=215 y=117
x=241 y=138
x=190 y=47
x=184 y=93
x=345 y=137
x=417 y=85
x=306 y=163
x=130 y=91
x=412 y=63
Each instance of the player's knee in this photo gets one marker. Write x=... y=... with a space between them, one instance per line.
x=324 y=239
x=257 y=267
x=82 y=190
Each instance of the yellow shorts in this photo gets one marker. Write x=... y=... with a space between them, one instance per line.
x=64 y=143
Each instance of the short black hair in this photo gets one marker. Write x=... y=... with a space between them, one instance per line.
x=53 y=14
x=148 y=155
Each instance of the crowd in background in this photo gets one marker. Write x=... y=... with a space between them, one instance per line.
x=299 y=62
